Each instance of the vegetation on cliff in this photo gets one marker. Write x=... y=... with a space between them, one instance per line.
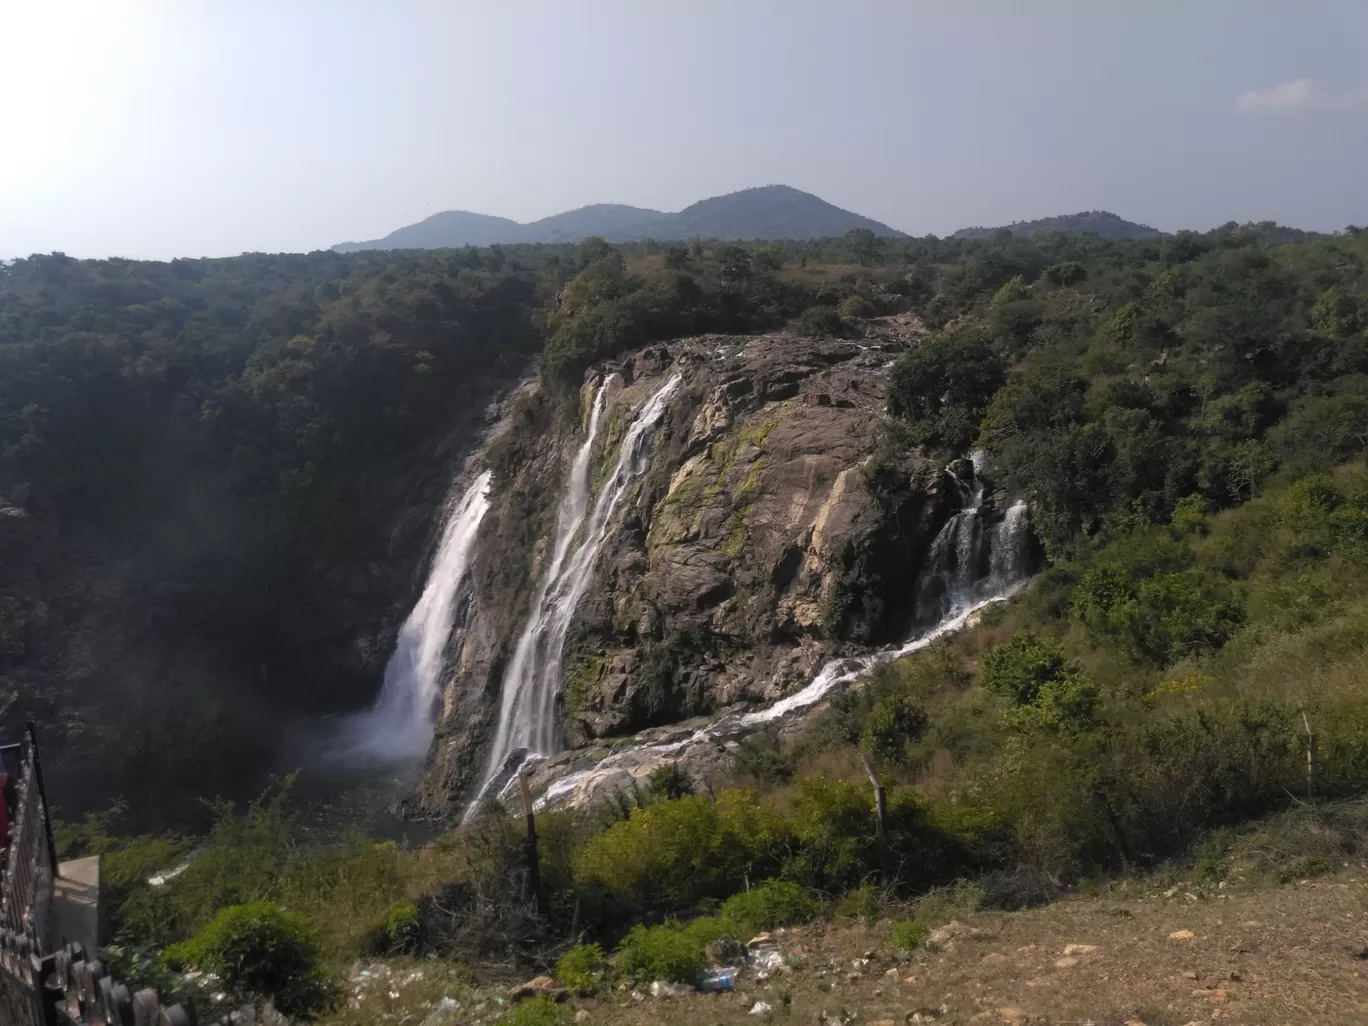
x=215 y=475
x=1188 y=417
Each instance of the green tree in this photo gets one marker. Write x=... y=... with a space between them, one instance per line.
x=1325 y=429
x=944 y=385
x=1338 y=313
x=1013 y=290
x=1157 y=617
x=1069 y=272
x=862 y=246
x=1022 y=665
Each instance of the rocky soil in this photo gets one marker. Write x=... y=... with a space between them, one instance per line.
x=1138 y=953
x=749 y=551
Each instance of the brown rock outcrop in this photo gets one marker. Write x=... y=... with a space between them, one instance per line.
x=749 y=550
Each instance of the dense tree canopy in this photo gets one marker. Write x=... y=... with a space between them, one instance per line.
x=212 y=470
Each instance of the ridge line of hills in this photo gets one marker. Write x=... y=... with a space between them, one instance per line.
x=770 y=211
x=765 y=212
x=1100 y=222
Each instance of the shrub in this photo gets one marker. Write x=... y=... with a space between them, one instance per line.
x=820 y=322
x=1174 y=615
x=957 y=901
x=1190 y=515
x=1158 y=618
x=907 y=934
x=1070 y=272
x=855 y=305
x=833 y=824
x=667 y=782
x=1307 y=867
x=766 y=758
x=1023 y=664
x=1211 y=857
x=137 y=966
x=773 y=904
x=1013 y=290
x=1349 y=527
x=672 y=951
x=864 y=903
x=892 y=722
x=261 y=950
x=1025 y=886
x=582 y=968
x=399 y=933
x=1306 y=506
x=1069 y=703
x=538 y=1011
x=670 y=855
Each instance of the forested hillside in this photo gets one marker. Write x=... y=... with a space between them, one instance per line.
x=217 y=478
x=1098 y=222
x=215 y=453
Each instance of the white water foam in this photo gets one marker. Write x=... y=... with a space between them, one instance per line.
x=972 y=563
x=529 y=724
x=399 y=726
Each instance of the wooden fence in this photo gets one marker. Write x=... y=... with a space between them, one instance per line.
x=40 y=986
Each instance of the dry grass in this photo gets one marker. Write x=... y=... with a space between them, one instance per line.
x=815 y=274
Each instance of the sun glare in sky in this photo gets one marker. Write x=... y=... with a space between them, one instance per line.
x=65 y=70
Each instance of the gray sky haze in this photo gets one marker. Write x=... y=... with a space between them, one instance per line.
x=169 y=128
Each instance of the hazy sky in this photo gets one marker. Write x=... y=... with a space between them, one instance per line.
x=191 y=127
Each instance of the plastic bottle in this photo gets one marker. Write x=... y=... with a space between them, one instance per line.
x=713 y=980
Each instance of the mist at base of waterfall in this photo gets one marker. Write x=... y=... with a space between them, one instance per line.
x=397 y=730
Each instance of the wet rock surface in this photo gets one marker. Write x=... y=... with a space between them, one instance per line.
x=750 y=549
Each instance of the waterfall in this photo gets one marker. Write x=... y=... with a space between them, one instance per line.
x=974 y=554
x=974 y=561
x=528 y=719
x=399 y=726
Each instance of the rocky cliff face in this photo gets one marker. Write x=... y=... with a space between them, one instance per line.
x=748 y=551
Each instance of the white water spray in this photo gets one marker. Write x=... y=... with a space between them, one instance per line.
x=528 y=721
x=972 y=563
x=971 y=557
x=399 y=726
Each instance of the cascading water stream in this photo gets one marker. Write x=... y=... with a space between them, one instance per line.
x=970 y=556
x=973 y=562
x=528 y=720
x=399 y=726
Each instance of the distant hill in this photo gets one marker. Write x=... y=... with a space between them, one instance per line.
x=1100 y=222
x=429 y=233
x=768 y=212
x=612 y=221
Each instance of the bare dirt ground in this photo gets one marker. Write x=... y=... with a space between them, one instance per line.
x=1288 y=955
x=1293 y=954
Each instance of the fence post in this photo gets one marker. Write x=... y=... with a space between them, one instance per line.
x=42 y=795
x=533 y=855
x=880 y=815
x=1312 y=758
